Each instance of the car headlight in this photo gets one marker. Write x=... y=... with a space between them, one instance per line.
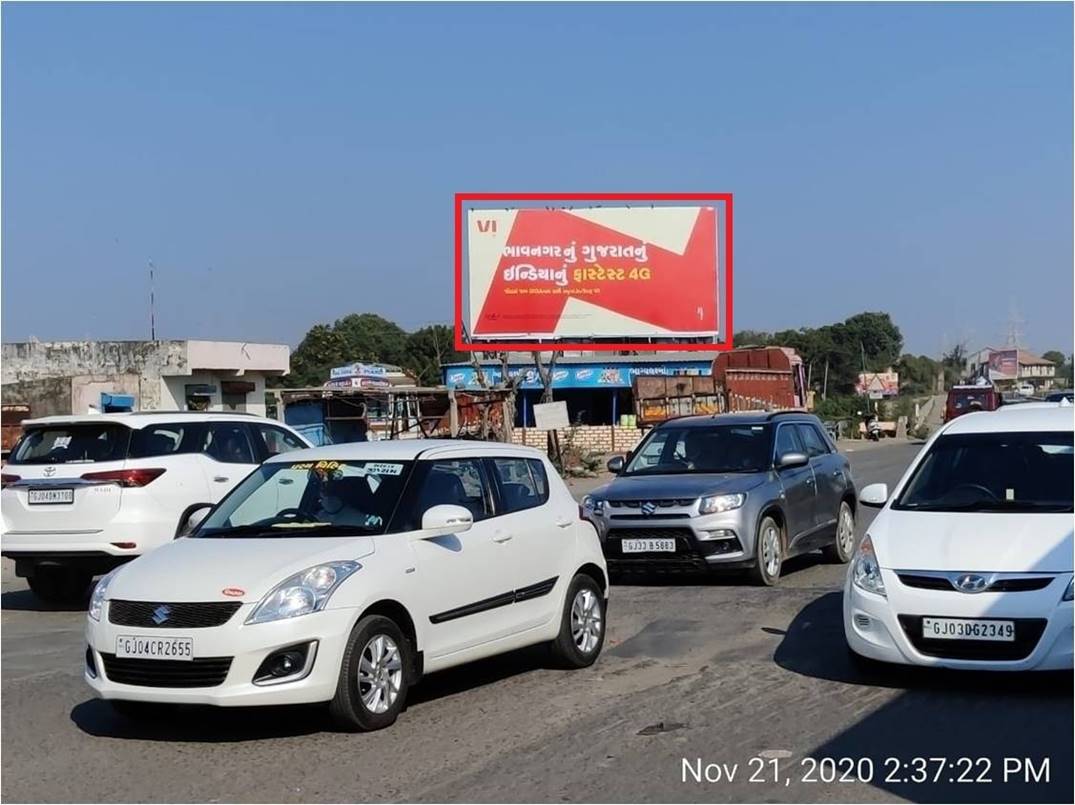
x=592 y=504
x=302 y=593
x=1068 y=591
x=97 y=600
x=714 y=504
x=865 y=570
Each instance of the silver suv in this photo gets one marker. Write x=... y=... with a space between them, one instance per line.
x=722 y=492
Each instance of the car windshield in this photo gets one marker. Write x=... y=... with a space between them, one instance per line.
x=311 y=499
x=993 y=472
x=72 y=444
x=698 y=449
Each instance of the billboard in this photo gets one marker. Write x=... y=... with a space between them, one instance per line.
x=1004 y=364
x=619 y=273
x=876 y=385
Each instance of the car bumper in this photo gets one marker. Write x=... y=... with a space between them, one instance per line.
x=702 y=541
x=874 y=630
x=143 y=536
x=247 y=646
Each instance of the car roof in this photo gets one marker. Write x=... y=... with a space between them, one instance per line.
x=141 y=419
x=740 y=418
x=407 y=450
x=1031 y=416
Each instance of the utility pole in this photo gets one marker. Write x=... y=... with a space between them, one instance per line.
x=152 y=307
x=825 y=385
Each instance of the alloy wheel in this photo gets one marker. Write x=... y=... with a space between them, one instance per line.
x=586 y=620
x=380 y=673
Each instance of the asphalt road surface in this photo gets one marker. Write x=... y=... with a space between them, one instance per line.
x=705 y=678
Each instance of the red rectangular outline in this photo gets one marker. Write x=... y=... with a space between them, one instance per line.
x=526 y=346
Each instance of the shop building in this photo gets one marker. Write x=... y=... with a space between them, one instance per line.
x=79 y=377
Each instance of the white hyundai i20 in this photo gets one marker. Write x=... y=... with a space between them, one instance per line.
x=969 y=564
x=341 y=574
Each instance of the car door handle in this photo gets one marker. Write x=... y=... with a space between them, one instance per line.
x=563 y=523
x=501 y=537
x=221 y=479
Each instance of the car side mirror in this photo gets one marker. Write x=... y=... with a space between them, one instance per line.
x=444 y=519
x=789 y=460
x=874 y=495
x=194 y=517
x=616 y=464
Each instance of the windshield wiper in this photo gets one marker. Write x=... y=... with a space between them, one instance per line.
x=277 y=531
x=987 y=505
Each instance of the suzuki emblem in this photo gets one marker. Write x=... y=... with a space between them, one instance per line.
x=161 y=614
x=649 y=507
x=971 y=583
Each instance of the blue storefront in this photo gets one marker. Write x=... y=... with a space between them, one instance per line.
x=597 y=391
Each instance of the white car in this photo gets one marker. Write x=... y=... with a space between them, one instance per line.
x=83 y=494
x=343 y=573
x=969 y=564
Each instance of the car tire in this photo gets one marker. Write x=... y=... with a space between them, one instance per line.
x=60 y=585
x=582 y=624
x=374 y=676
x=768 y=553
x=844 y=545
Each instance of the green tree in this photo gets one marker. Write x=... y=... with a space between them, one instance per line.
x=427 y=350
x=321 y=349
x=918 y=374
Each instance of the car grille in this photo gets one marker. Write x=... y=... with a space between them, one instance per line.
x=654 y=516
x=637 y=504
x=1028 y=632
x=999 y=586
x=179 y=616
x=202 y=672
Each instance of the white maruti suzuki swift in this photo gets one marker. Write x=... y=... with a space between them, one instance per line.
x=969 y=565
x=341 y=574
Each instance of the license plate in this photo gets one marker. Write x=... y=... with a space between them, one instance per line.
x=155 y=648
x=49 y=496
x=649 y=546
x=965 y=629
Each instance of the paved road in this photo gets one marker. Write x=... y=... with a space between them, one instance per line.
x=716 y=672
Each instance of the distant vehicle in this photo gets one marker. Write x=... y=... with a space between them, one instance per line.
x=1026 y=389
x=83 y=494
x=969 y=563
x=964 y=399
x=342 y=573
x=736 y=491
x=1057 y=396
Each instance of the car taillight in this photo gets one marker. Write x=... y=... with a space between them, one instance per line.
x=6 y=479
x=139 y=477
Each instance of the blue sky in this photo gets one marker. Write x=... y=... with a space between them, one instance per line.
x=284 y=165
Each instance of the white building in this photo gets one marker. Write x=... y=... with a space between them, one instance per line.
x=77 y=377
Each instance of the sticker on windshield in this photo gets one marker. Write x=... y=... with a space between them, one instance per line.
x=381 y=468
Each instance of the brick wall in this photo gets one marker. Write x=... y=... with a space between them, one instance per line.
x=598 y=438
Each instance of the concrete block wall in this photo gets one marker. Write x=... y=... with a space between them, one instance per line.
x=595 y=438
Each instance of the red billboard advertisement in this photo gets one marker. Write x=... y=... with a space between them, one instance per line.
x=1004 y=364
x=594 y=277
